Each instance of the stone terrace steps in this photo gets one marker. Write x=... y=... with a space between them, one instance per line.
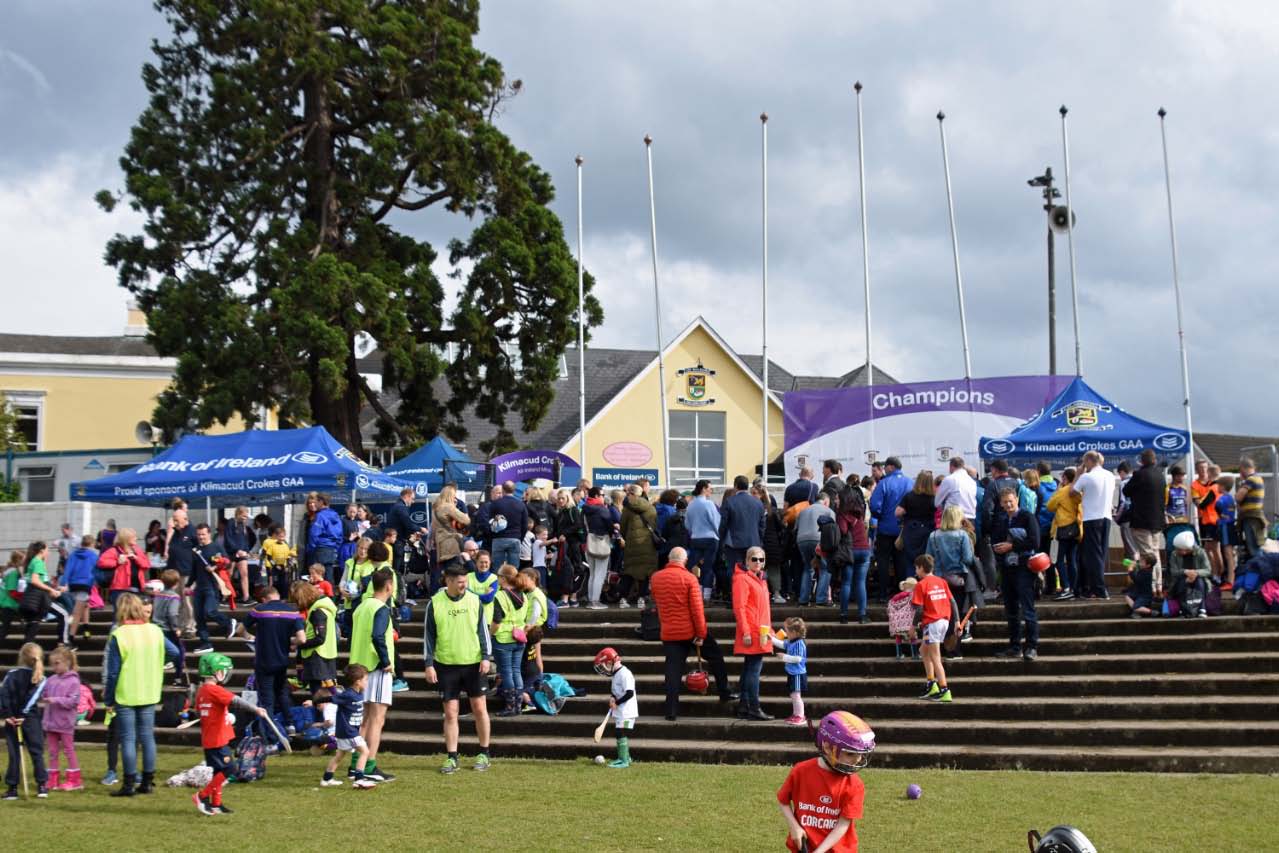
x=1107 y=693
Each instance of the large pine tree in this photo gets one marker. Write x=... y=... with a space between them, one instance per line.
x=283 y=142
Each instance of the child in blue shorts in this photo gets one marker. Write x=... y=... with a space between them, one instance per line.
x=795 y=656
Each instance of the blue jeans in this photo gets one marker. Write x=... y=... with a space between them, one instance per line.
x=704 y=551
x=506 y=551
x=1067 y=570
x=136 y=723
x=748 y=687
x=807 y=553
x=855 y=576
x=206 y=610
x=510 y=657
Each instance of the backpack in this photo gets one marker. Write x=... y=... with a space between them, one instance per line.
x=249 y=763
x=650 y=626
x=552 y=693
x=87 y=705
x=1270 y=592
x=552 y=616
x=829 y=534
x=676 y=531
x=1252 y=604
x=901 y=613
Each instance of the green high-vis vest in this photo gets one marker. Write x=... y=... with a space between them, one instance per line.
x=329 y=648
x=362 y=651
x=141 y=664
x=481 y=587
x=512 y=617
x=457 y=638
x=540 y=597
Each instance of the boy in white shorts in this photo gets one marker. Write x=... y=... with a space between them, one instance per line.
x=373 y=647
x=934 y=608
x=349 y=702
x=621 y=701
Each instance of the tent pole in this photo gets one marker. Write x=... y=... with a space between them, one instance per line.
x=1070 y=241
x=208 y=513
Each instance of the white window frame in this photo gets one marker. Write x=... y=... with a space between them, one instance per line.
x=698 y=472
x=30 y=400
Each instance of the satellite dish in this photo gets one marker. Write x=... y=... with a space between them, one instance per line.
x=1057 y=219
x=145 y=433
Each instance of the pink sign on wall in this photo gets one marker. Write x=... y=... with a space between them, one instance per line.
x=627 y=454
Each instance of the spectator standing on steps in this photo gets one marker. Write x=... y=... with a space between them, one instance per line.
x=1097 y=488
x=207 y=592
x=803 y=490
x=1145 y=492
x=324 y=537
x=957 y=489
x=890 y=563
x=1250 y=495
x=679 y=607
x=507 y=520
x=639 y=559
x=807 y=537
x=741 y=524
x=1014 y=537
x=754 y=619
x=703 y=520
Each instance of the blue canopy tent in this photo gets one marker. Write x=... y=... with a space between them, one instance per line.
x=1077 y=421
x=435 y=463
x=253 y=467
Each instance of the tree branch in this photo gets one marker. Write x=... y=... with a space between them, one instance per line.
x=382 y=413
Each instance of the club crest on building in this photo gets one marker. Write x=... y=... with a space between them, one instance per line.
x=695 y=385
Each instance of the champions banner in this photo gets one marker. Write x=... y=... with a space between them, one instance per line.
x=923 y=424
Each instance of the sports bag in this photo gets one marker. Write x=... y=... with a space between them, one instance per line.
x=249 y=763
x=650 y=627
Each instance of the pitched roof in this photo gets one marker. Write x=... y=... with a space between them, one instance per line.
x=1225 y=450
x=117 y=345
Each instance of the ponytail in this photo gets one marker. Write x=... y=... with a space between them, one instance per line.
x=33 y=656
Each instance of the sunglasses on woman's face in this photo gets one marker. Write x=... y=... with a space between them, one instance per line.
x=756 y=559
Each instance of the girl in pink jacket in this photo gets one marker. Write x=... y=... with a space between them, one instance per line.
x=60 y=700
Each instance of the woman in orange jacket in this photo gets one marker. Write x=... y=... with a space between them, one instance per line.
x=751 y=611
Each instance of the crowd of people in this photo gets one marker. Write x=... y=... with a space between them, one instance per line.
x=493 y=574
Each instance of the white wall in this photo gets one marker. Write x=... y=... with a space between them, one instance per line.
x=23 y=523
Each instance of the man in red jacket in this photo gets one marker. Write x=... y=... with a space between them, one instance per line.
x=679 y=606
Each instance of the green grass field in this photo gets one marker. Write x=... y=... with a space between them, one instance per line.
x=530 y=805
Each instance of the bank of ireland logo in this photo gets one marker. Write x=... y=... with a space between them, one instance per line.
x=421 y=490
x=998 y=447
x=826 y=799
x=418 y=517
x=308 y=457
x=361 y=481
x=1169 y=441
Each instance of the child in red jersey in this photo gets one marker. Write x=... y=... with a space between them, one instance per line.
x=212 y=701
x=822 y=796
x=934 y=606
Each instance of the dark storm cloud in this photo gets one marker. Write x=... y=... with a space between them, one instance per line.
x=696 y=76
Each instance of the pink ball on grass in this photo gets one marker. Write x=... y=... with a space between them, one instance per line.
x=914 y=792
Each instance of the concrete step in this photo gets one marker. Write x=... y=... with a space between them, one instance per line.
x=796 y=745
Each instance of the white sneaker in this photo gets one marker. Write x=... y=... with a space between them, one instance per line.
x=595 y=605
x=778 y=598
x=230 y=634
x=330 y=783
x=640 y=604
x=624 y=604
x=203 y=650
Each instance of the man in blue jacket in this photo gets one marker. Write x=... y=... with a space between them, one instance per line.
x=508 y=521
x=324 y=537
x=702 y=519
x=890 y=563
x=741 y=523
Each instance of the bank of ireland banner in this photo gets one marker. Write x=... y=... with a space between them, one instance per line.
x=923 y=424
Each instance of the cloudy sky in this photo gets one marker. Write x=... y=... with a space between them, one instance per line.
x=599 y=76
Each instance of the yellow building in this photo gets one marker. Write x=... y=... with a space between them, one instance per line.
x=714 y=400
x=80 y=402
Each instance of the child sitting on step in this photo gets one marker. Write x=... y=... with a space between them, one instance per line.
x=901 y=619
x=1140 y=591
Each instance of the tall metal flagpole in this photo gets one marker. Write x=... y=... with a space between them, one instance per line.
x=861 y=191
x=959 y=279
x=1070 y=241
x=581 y=330
x=657 y=303
x=763 y=126
x=1176 y=287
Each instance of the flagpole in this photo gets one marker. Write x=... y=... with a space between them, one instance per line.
x=763 y=126
x=1070 y=241
x=1176 y=287
x=959 y=279
x=657 y=304
x=861 y=192
x=581 y=330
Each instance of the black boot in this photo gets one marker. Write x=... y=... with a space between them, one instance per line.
x=126 y=788
x=148 y=783
x=510 y=707
x=757 y=713
x=743 y=711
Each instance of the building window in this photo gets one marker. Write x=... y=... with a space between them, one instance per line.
x=697 y=447
x=28 y=407
x=37 y=483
